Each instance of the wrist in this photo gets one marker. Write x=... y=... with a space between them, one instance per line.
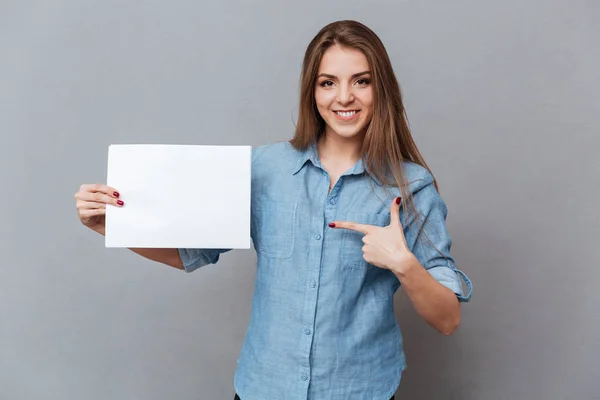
x=99 y=229
x=406 y=266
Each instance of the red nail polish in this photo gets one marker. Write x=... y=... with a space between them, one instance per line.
x=120 y=202
x=398 y=200
x=116 y=194
x=331 y=225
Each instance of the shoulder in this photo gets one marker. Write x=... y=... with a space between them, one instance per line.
x=273 y=165
x=421 y=185
x=417 y=177
x=279 y=155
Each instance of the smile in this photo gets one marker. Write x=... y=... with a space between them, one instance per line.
x=346 y=115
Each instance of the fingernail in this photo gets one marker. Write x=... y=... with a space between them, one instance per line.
x=120 y=202
x=331 y=225
x=398 y=200
x=116 y=194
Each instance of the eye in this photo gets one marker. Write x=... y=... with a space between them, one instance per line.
x=326 y=84
x=363 y=82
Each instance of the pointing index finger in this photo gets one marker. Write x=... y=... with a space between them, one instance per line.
x=363 y=228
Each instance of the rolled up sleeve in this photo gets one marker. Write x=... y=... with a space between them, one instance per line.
x=432 y=243
x=193 y=259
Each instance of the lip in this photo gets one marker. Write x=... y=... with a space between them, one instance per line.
x=349 y=118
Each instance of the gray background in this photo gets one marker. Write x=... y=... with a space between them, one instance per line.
x=503 y=98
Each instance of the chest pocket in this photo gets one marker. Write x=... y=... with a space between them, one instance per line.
x=351 y=244
x=275 y=228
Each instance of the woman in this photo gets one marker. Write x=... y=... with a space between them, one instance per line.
x=342 y=215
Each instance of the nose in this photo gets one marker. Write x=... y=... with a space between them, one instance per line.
x=345 y=95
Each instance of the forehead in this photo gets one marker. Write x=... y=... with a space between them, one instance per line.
x=343 y=61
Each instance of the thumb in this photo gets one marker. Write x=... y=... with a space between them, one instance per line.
x=395 y=212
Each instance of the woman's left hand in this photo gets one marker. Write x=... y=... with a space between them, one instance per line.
x=385 y=246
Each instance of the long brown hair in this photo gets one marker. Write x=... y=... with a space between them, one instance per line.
x=388 y=140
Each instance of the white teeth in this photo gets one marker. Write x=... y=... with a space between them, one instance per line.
x=346 y=114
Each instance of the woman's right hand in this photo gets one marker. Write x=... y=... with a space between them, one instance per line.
x=91 y=201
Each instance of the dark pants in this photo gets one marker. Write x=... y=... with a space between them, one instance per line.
x=238 y=398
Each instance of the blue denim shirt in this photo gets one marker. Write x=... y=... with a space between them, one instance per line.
x=322 y=324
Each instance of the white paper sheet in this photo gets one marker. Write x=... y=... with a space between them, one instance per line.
x=179 y=196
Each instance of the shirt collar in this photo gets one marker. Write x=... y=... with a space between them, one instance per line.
x=311 y=154
x=304 y=155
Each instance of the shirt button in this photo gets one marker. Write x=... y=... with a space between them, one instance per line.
x=318 y=236
x=312 y=284
x=332 y=201
x=307 y=331
x=304 y=377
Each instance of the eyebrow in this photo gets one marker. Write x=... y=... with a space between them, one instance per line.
x=335 y=77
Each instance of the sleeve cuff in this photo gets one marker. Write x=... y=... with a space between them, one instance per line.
x=192 y=259
x=451 y=278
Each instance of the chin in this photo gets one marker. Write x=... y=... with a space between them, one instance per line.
x=348 y=133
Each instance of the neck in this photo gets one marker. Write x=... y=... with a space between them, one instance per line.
x=335 y=148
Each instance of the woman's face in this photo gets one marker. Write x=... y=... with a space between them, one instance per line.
x=343 y=92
